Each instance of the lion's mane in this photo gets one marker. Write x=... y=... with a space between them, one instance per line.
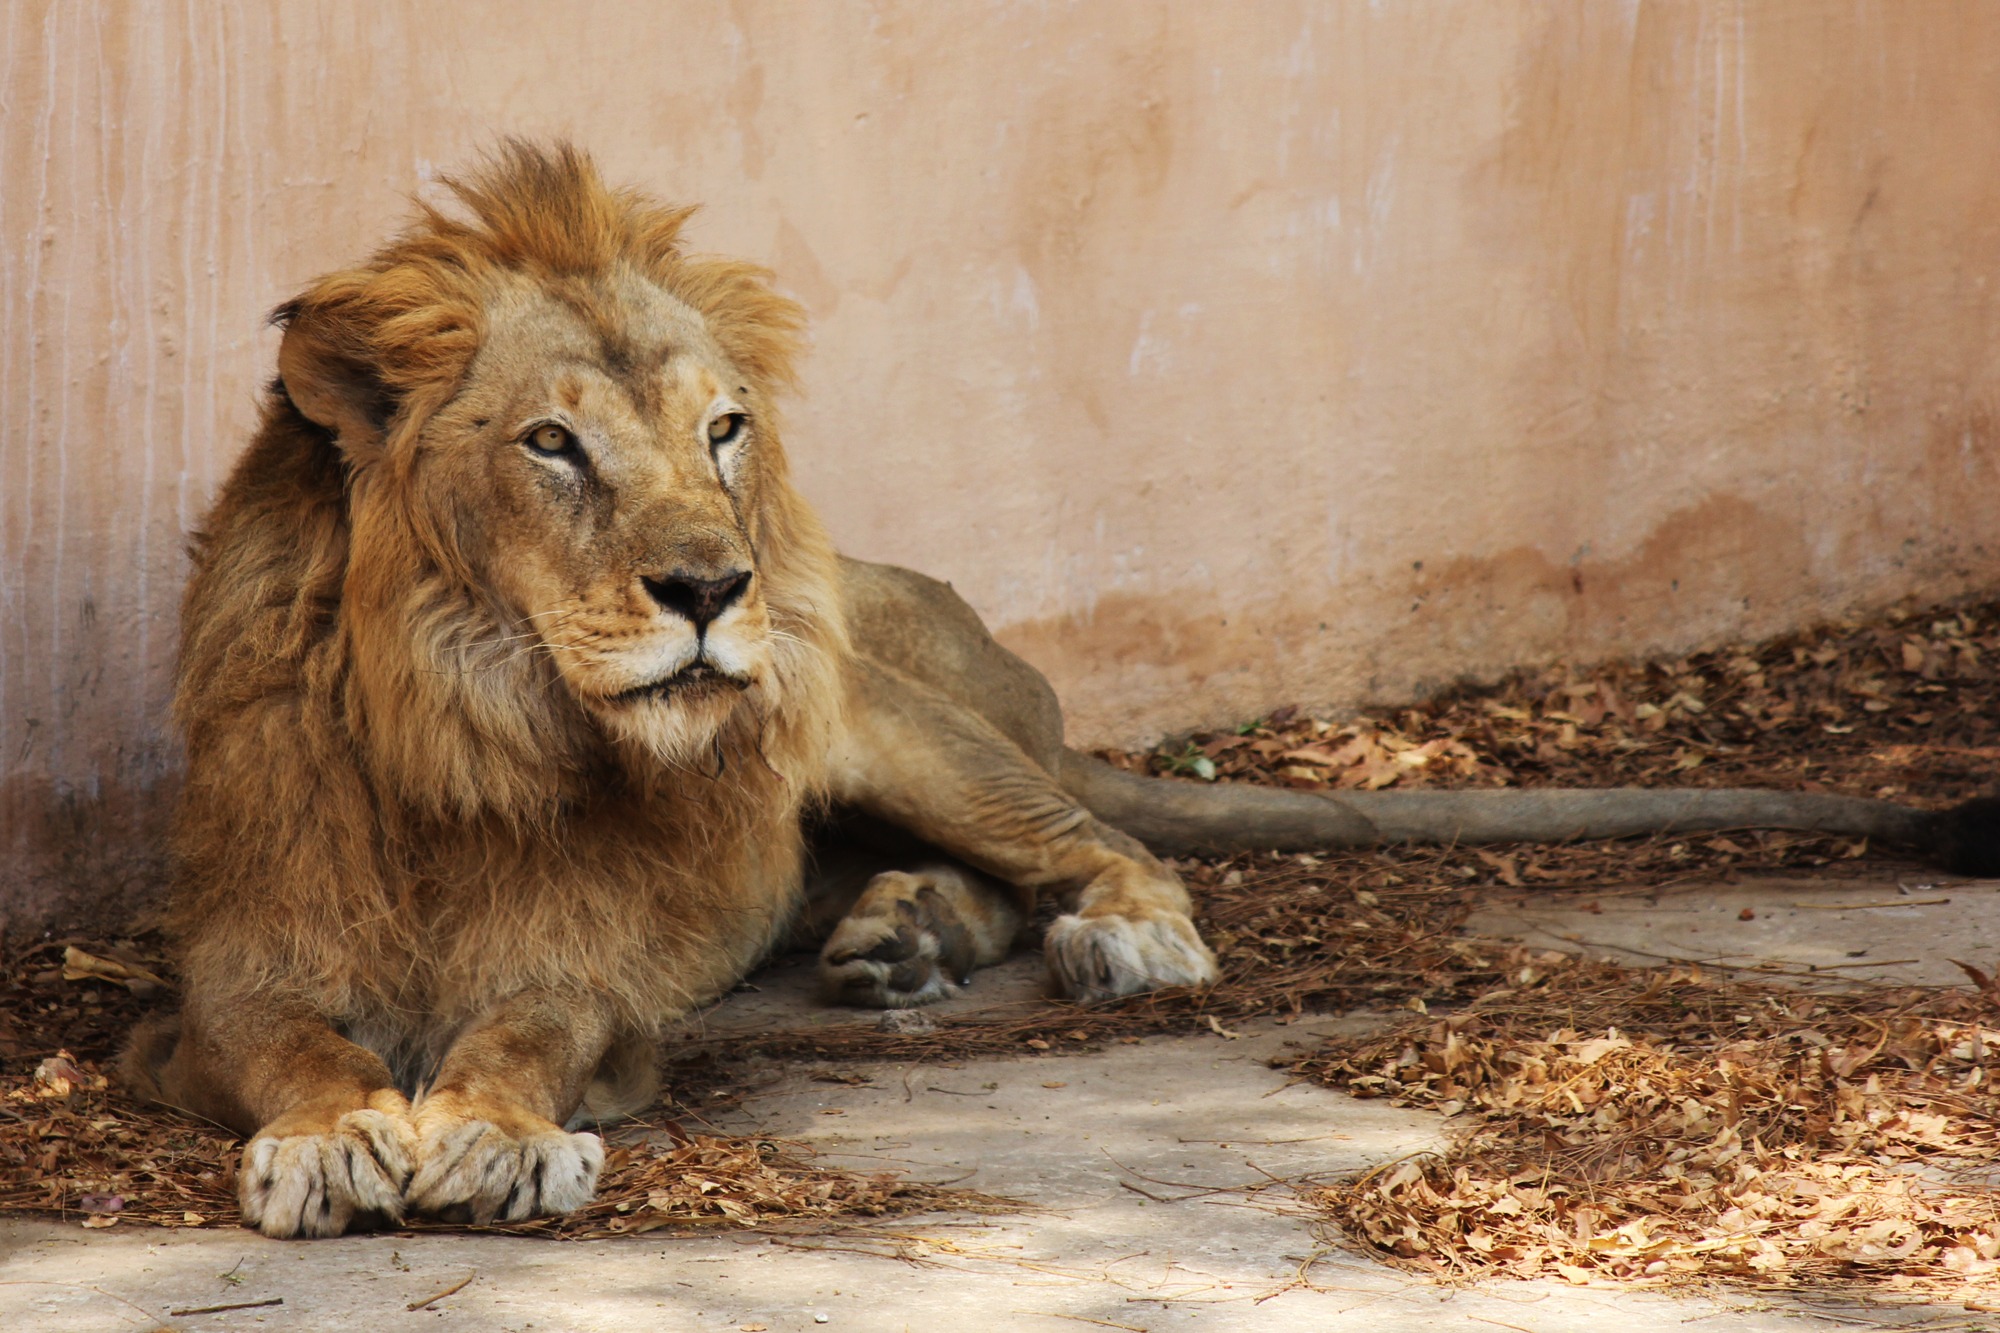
x=393 y=809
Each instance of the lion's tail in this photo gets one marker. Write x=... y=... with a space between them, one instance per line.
x=1178 y=818
x=1967 y=837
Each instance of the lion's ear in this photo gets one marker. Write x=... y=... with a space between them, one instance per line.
x=327 y=367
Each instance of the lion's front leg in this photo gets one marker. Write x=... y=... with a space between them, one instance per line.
x=491 y=1146
x=329 y=1166
x=928 y=765
x=331 y=1144
x=1127 y=931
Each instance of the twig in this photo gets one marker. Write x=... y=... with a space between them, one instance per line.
x=1886 y=902
x=909 y=1094
x=1194 y=1185
x=1709 y=960
x=1085 y=1319
x=1156 y=1198
x=1275 y=1180
x=79 y=1286
x=1715 y=960
x=452 y=1290
x=1260 y=1143
x=233 y=1305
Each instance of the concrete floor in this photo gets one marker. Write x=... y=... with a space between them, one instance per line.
x=1902 y=928
x=1114 y=1150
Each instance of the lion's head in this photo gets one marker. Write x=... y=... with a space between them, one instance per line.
x=572 y=533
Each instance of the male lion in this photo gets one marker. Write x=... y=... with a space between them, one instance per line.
x=512 y=667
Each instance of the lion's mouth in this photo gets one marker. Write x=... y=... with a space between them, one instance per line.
x=696 y=678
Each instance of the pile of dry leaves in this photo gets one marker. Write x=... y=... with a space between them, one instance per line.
x=1657 y=1125
x=1901 y=706
x=72 y=1145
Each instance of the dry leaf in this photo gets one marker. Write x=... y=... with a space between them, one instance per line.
x=81 y=966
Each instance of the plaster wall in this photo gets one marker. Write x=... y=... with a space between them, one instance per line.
x=1222 y=355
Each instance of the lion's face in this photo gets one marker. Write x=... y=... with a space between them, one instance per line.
x=599 y=473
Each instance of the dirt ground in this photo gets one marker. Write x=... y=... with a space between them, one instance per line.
x=1147 y=1171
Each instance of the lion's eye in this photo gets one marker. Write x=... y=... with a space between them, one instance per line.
x=551 y=441
x=724 y=429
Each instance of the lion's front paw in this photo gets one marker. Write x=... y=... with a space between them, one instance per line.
x=322 y=1184
x=1099 y=957
x=475 y=1171
x=903 y=945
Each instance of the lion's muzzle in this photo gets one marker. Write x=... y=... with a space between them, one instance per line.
x=698 y=597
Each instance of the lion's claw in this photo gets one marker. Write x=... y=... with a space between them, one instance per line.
x=477 y=1172
x=325 y=1184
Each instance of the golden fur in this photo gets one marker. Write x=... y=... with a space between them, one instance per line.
x=516 y=847
x=511 y=665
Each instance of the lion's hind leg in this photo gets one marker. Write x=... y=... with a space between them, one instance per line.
x=914 y=937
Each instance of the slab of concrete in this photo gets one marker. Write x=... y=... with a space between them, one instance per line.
x=1139 y=1167
x=1903 y=928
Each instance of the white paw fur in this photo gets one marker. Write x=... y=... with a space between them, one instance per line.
x=319 y=1184
x=474 y=1171
x=1101 y=957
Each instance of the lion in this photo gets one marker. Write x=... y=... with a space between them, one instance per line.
x=516 y=678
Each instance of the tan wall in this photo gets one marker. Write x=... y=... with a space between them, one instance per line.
x=1221 y=354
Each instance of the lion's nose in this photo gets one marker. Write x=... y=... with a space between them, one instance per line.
x=699 y=599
